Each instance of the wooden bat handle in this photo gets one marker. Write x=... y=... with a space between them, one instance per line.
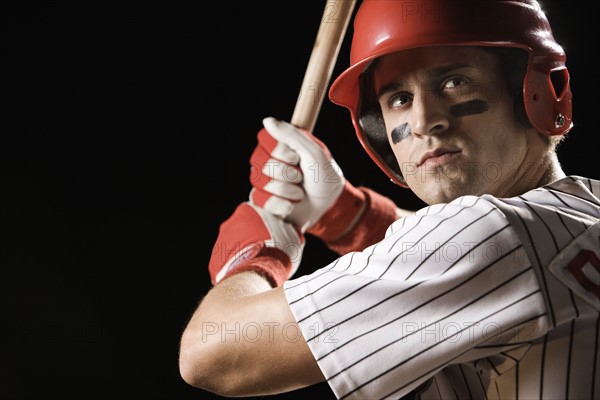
x=322 y=60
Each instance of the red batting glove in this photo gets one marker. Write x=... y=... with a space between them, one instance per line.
x=252 y=239
x=294 y=176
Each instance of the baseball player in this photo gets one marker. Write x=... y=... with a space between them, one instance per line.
x=491 y=291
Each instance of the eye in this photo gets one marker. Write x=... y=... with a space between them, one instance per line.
x=455 y=82
x=457 y=88
x=398 y=100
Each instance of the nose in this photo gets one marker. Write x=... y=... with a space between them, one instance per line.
x=430 y=114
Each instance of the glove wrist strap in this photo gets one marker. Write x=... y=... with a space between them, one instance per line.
x=270 y=262
x=380 y=212
x=342 y=216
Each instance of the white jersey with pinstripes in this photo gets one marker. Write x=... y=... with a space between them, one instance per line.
x=480 y=298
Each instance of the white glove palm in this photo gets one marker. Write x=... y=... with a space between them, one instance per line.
x=294 y=175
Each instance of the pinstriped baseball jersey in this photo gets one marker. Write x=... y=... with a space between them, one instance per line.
x=481 y=298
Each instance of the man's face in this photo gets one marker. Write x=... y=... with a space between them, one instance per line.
x=449 y=118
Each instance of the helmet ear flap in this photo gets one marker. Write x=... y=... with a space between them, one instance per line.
x=560 y=81
x=548 y=100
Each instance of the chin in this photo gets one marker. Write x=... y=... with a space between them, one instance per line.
x=436 y=192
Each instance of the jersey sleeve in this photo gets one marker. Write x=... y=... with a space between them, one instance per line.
x=449 y=284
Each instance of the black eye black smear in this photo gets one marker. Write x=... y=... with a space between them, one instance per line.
x=400 y=133
x=469 y=108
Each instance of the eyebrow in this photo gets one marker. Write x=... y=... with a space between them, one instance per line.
x=441 y=70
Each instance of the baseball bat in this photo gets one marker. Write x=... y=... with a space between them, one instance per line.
x=332 y=29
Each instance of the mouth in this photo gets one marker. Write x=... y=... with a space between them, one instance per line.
x=437 y=157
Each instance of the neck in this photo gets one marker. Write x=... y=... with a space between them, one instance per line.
x=548 y=170
x=553 y=172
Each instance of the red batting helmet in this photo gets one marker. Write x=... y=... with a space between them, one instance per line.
x=385 y=26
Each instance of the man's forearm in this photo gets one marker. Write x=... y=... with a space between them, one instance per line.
x=241 y=337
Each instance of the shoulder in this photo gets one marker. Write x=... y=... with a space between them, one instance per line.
x=443 y=219
x=464 y=235
x=572 y=195
x=569 y=200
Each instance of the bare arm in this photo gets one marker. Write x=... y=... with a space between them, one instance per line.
x=243 y=340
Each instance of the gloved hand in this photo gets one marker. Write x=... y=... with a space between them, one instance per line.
x=253 y=239
x=295 y=177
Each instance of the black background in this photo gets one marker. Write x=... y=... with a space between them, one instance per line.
x=126 y=142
